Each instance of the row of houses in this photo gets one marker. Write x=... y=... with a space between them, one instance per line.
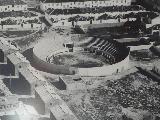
x=83 y=4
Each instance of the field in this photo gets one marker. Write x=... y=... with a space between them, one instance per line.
x=79 y=59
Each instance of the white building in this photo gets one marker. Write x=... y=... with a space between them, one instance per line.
x=12 y=5
x=67 y=5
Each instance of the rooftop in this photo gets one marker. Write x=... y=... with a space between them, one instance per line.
x=31 y=74
x=17 y=58
x=48 y=95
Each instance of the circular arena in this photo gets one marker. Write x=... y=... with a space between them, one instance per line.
x=92 y=56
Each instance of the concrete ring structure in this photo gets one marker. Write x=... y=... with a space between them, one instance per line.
x=47 y=47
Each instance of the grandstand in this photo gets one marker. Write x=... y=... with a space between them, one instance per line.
x=111 y=50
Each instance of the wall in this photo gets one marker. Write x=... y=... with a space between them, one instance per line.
x=7 y=69
x=1 y=57
x=19 y=85
x=52 y=68
x=105 y=70
x=40 y=106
